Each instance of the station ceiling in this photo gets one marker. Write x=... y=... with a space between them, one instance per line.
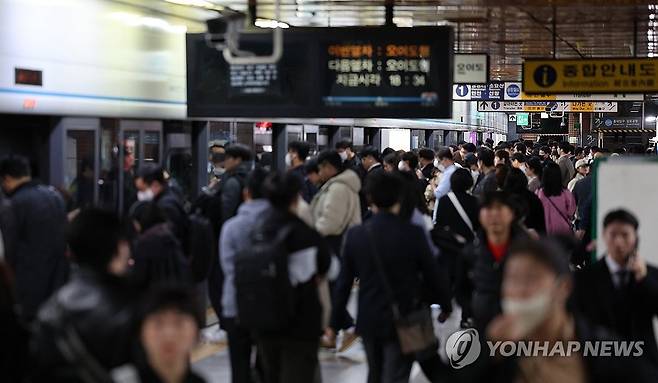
x=508 y=30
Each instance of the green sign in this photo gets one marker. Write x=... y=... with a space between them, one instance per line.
x=522 y=119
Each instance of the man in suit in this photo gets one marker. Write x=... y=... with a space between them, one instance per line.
x=371 y=162
x=620 y=291
x=406 y=265
x=426 y=161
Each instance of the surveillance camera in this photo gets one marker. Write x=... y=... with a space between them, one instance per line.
x=224 y=31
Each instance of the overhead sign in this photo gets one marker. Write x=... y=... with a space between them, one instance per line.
x=470 y=69
x=513 y=92
x=355 y=72
x=601 y=75
x=546 y=106
x=522 y=119
x=618 y=123
x=478 y=92
x=512 y=118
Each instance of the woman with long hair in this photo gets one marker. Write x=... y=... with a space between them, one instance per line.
x=559 y=204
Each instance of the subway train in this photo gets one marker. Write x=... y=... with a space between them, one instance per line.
x=92 y=91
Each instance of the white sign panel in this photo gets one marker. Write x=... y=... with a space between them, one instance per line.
x=461 y=92
x=470 y=69
x=546 y=106
x=513 y=92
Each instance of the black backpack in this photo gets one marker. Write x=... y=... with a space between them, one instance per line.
x=201 y=246
x=264 y=295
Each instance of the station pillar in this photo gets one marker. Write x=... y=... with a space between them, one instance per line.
x=200 y=139
x=279 y=146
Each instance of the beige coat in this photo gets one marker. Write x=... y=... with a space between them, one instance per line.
x=336 y=206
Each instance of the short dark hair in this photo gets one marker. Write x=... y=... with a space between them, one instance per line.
x=384 y=189
x=444 y=153
x=470 y=147
x=545 y=149
x=520 y=147
x=470 y=159
x=150 y=173
x=565 y=146
x=412 y=158
x=301 y=148
x=500 y=197
x=461 y=180
x=372 y=152
x=516 y=181
x=387 y=151
x=344 y=144
x=93 y=237
x=426 y=154
x=218 y=157
x=503 y=155
x=15 y=166
x=486 y=156
x=519 y=156
x=551 y=180
x=281 y=189
x=311 y=166
x=547 y=252
x=332 y=158
x=147 y=214
x=621 y=216
x=535 y=165
x=578 y=151
x=239 y=151
x=254 y=182
x=391 y=159
x=178 y=298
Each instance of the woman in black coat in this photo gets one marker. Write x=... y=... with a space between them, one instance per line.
x=531 y=209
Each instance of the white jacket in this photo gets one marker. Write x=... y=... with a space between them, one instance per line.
x=336 y=206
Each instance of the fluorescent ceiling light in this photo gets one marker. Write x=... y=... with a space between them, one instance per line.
x=194 y=3
x=267 y=23
x=650 y=119
x=135 y=20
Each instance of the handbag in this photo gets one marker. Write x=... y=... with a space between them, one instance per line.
x=414 y=330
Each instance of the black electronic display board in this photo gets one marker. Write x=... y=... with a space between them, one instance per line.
x=354 y=72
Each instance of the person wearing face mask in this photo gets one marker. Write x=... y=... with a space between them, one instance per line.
x=620 y=291
x=345 y=150
x=471 y=164
x=217 y=168
x=536 y=287
x=582 y=170
x=478 y=278
x=534 y=173
x=446 y=166
x=92 y=314
x=295 y=158
x=426 y=159
x=154 y=187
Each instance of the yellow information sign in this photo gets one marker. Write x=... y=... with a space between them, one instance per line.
x=614 y=75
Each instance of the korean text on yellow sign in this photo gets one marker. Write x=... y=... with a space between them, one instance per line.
x=637 y=75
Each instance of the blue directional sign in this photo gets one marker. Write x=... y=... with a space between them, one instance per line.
x=495 y=105
x=462 y=90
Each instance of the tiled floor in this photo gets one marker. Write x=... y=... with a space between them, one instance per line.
x=213 y=361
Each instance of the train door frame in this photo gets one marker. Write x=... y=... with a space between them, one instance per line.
x=141 y=126
x=57 y=149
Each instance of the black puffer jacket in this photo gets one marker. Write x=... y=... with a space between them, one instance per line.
x=38 y=262
x=479 y=278
x=99 y=309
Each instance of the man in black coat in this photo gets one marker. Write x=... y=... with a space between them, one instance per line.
x=407 y=265
x=620 y=291
x=371 y=162
x=479 y=268
x=38 y=259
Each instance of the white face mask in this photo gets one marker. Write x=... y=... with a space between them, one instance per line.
x=146 y=195
x=218 y=171
x=288 y=159
x=436 y=163
x=402 y=166
x=523 y=169
x=530 y=312
x=475 y=174
x=343 y=156
x=441 y=167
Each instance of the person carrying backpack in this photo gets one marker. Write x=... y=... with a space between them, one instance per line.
x=276 y=282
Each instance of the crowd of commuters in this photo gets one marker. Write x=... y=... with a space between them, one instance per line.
x=496 y=231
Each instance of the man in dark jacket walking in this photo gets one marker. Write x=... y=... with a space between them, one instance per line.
x=408 y=264
x=479 y=268
x=237 y=165
x=38 y=262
